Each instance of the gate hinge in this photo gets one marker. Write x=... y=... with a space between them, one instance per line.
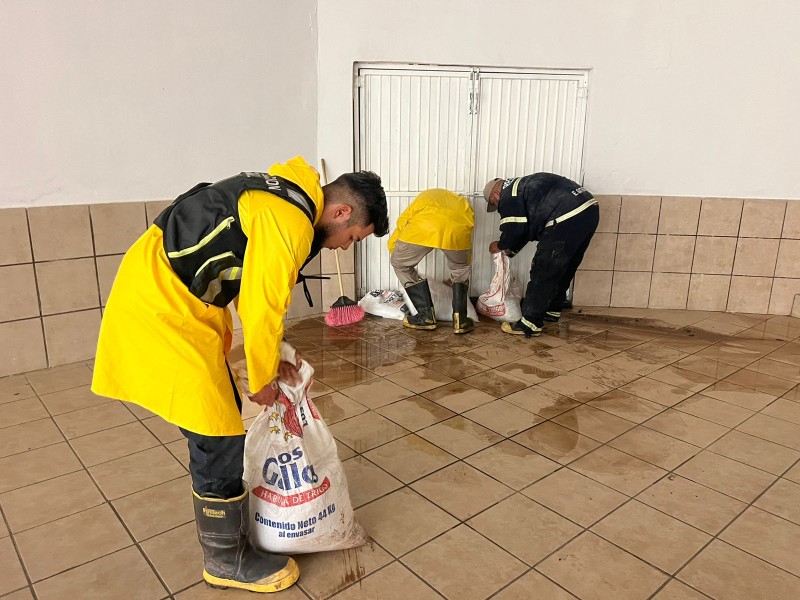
x=360 y=81
x=474 y=93
x=583 y=92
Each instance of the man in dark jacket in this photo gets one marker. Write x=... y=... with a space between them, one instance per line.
x=562 y=216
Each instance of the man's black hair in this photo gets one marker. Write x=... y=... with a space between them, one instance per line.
x=366 y=186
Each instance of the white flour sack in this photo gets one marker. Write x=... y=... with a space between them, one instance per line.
x=501 y=301
x=298 y=491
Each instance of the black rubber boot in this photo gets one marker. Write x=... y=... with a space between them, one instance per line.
x=420 y=295
x=552 y=316
x=522 y=327
x=230 y=560
x=461 y=322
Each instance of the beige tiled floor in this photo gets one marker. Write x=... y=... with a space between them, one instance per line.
x=626 y=454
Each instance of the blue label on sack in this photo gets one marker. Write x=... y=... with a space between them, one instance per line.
x=285 y=471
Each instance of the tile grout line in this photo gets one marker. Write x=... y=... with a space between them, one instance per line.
x=701 y=418
x=666 y=408
x=635 y=498
x=105 y=501
x=22 y=565
x=776 y=478
x=48 y=418
x=460 y=522
x=461 y=459
x=616 y=247
x=630 y=498
x=706 y=448
x=534 y=413
x=701 y=449
x=38 y=294
x=56 y=314
x=116 y=514
x=521 y=493
x=49 y=370
x=694 y=254
x=652 y=264
x=735 y=251
x=525 y=574
x=394 y=560
x=94 y=259
x=715 y=537
x=515 y=491
x=780 y=245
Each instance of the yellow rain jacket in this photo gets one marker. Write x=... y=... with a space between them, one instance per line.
x=438 y=219
x=163 y=348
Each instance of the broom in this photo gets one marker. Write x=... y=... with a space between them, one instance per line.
x=344 y=311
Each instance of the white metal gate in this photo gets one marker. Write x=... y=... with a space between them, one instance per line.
x=456 y=128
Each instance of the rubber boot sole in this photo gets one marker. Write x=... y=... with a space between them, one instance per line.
x=283 y=579
x=430 y=327
x=506 y=328
x=462 y=330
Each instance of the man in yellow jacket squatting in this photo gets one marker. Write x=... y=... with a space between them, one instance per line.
x=435 y=219
x=166 y=329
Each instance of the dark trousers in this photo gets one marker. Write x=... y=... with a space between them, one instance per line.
x=558 y=256
x=216 y=463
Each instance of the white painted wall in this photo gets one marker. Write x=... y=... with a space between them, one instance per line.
x=113 y=101
x=686 y=98
x=119 y=101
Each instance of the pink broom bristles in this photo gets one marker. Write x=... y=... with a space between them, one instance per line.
x=344 y=315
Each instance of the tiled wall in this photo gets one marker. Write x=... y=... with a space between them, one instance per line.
x=57 y=265
x=717 y=254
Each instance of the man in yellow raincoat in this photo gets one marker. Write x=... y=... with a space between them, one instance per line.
x=166 y=329
x=435 y=219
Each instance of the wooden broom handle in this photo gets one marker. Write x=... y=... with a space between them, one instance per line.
x=335 y=250
x=338 y=271
x=324 y=171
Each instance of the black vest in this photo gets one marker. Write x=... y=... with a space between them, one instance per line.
x=203 y=235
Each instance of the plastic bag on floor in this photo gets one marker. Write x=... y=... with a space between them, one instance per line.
x=384 y=303
x=501 y=301
x=298 y=491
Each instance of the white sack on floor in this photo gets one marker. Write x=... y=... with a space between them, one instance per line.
x=384 y=303
x=298 y=491
x=501 y=301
